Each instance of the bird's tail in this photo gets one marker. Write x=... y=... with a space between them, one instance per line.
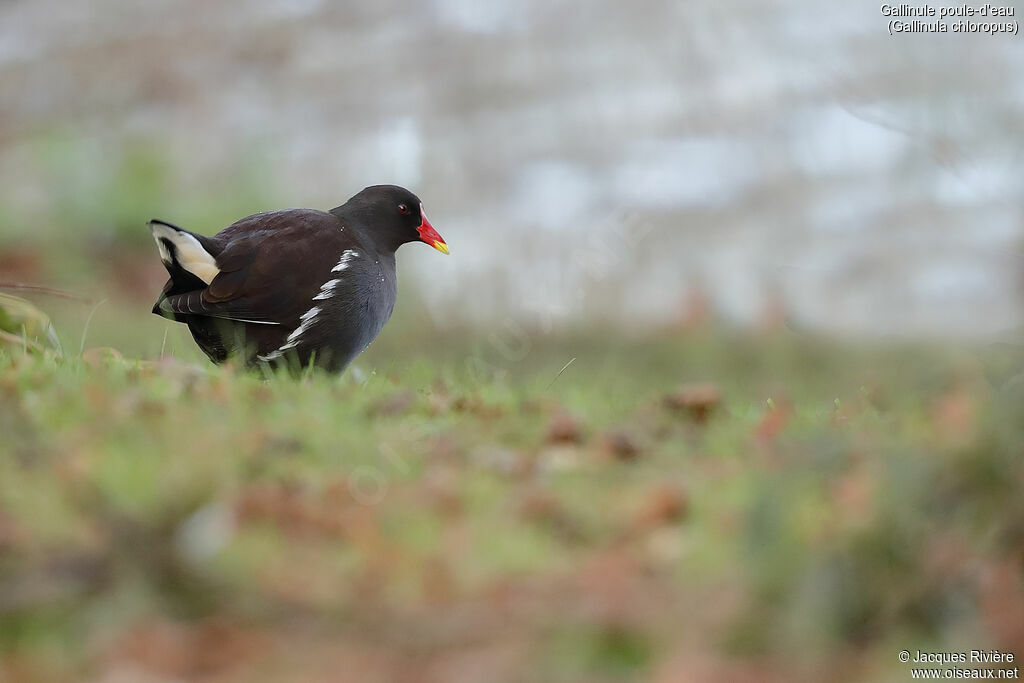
x=181 y=250
x=189 y=264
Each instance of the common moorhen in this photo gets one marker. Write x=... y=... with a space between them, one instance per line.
x=292 y=287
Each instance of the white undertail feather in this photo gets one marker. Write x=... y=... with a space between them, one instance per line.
x=189 y=252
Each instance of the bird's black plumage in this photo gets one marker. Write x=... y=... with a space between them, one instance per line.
x=293 y=286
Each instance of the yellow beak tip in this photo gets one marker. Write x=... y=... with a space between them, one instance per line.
x=441 y=247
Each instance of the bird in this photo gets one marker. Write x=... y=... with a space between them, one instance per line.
x=295 y=287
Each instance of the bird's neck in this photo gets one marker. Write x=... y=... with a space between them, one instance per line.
x=356 y=220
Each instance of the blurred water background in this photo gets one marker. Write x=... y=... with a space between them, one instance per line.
x=634 y=163
x=579 y=469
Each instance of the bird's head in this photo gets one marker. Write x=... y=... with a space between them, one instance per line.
x=395 y=216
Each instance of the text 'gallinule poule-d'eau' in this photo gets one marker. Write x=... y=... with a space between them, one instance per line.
x=297 y=286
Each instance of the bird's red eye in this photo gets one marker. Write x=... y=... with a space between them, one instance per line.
x=403 y=209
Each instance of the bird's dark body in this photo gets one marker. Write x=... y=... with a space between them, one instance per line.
x=292 y=287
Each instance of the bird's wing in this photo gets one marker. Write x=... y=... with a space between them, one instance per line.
x=270 y=268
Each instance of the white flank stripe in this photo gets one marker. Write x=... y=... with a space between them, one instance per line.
x=306 y=321
x=309 y=317
x=251 y=322
x=344 y=261
x=327 y=291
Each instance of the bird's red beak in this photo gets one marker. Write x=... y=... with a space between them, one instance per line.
x=429 y=235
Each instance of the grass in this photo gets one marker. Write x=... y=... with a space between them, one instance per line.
x=469 y=505
x=466 y=513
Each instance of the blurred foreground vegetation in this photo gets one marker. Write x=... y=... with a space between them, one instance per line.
x=690 y=505
x=468 y=504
